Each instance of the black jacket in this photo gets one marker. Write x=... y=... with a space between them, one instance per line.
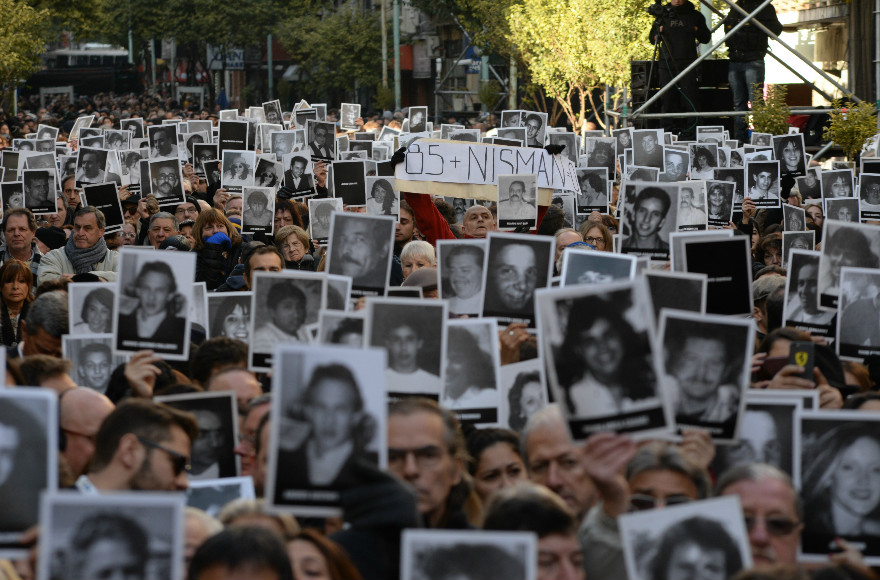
x=749 y=43
x=215 y=263
x=683 y=27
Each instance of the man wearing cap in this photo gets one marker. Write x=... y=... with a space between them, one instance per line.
x=19 y=227
x=50 y=238
x=762 y=289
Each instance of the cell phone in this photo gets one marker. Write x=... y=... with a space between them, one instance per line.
x=769 y=368
x=803 y=354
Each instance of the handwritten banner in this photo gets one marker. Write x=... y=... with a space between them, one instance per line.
x=456 y=162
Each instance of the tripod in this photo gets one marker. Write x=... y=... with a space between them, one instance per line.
x=673 y=69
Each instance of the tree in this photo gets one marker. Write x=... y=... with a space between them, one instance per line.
x=23 y=32
x=335 y=49
x=572 y=47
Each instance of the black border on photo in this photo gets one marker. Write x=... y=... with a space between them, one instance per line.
x=858 y=331
x=753 y=170
x=567 y=319
x=648 y=191
x=105 y=197
x=171 y=338
x=39 y=208
x=219 y=309
x=472 y=380
x=247 y=218
x=517 y=277
x=178 y=194
x=728 y=263
x=434 y=554
x=527 y=215
x=684 y=291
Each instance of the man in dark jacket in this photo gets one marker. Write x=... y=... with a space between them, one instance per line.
x=747 y=49
x=678 y=28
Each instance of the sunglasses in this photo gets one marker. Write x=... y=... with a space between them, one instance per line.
x=641 y=502
x=178 y=461
x=775 y=526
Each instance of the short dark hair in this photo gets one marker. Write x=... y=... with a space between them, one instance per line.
x=101 y=526
x=142 y=418
x=242 y=548
x=705 y=533
x=653 y=193
x=214 y=352
x=38 y=367
x=159 y=268
x=267 y=249
x=528 y=507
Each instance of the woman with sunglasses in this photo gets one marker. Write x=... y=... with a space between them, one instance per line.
x=632 y=479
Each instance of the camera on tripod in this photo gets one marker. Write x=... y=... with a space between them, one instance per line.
x=658 y=10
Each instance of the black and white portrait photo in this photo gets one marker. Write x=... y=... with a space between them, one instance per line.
x=809 y=185
x=569 y=140
x=329 y=419
x=238 y=169
x=719 y=206
x=28 y=461
x=845 y=209
x=339 y=327
x=166 y=181
x=703 y=159
x=737 y=176
x=466 y=135
x=321 y=137
x=793 y=218
x=840 y=479
x=272 y=112
x=320 y=211
x=460 y=270
x=845 y=245
x=413 y=334
x=118 y=535
x=212 y=453
x=837 y=183
x=269 y=173
x=691 y=215
x=211 y=495
x=382 y=199
x=512 y=118
x=535 y=124
x=675 y=165
x=512 y=135
x=349 y=115
x=648 y=148
x=802 y=240
x=91 y=307
x=39 y=190
x=523 y=393
x=12 y=193
x=516 y=266
x=471 y=385
x=301 y=116
x=258 y=210
x=129 y=162
x=229 y=314
x=153 y=302
x=591 y=267
x=517 y=201
x=801 y=308
x=133 y=126
x=623 y=139
x=361 y=247
x=202 y=153
x=858 y=313
x=298 y=173
x=601 y=153
x=283 y=304
x=763 y=183
x=767 y=433
x=601 y=364
x=93 y=359
x=418 y=119
x=869 y=196
x=163 y=142
x=704 y=539
x=648 y=214
x=789 y=151
x=593 y=193
x=286 y=142
x=706 y=363
x=117 y=140
x=468 y=555
x=676 y=290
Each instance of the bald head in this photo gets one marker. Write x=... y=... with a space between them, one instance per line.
x=82 y=410
x=478 y=222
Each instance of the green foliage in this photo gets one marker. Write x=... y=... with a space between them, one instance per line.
x=384 y=98
x=77 y=16
x=573 y=46
x=490 y=93
x=851 y=125
x=336 y=48
x=770 y=115
x=23 y=35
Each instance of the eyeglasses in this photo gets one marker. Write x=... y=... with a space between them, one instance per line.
x=595 y=241
x=426 y=457
x=776 y=526
x=178 y=461
x=292 y=245
x=641 y=502
x=126 y=235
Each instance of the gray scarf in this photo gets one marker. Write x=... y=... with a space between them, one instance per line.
x=84 y=259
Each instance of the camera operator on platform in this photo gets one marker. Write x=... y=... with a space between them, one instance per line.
x=677 y=27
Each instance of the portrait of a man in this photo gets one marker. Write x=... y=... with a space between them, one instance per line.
x=94 y=366
x=461 y=274
x=39 y=190
x=286 y=304
x=322 y=143
x=360 y=247
x=295 y=177
x=518 y=203
x=163 y=142
x=647 y=219
x=165 y=177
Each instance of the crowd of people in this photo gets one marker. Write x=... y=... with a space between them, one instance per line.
x=526 y=474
